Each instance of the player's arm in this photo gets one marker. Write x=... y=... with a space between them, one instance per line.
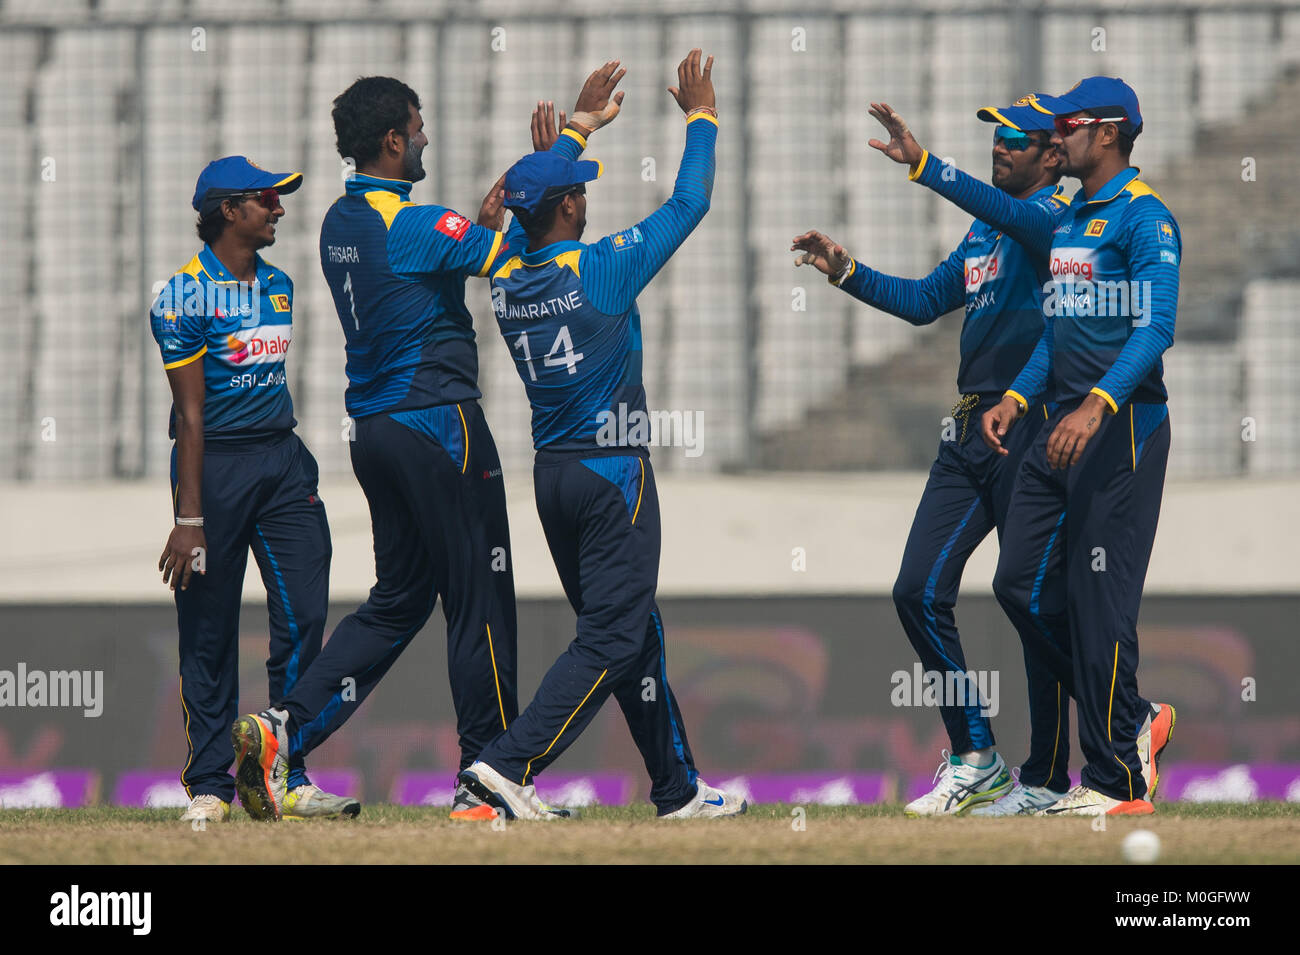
x=424 y=240
x=181 y=340
x=619 y=266
x=1153 y=267
x=1024 y=392
x=1029 y=222
x=918 y=301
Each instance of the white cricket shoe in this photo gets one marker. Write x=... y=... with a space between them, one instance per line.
x=709 y=803
x=309 y=801
x=510 y=800
x=959 y=787
x=1022 y=800
x=1082 y=801
x=207 y=808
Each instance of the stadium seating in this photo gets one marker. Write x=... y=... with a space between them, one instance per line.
x=131 y=109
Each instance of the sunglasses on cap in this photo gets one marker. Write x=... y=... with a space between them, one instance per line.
x=1013 y=139
x=1065 y=125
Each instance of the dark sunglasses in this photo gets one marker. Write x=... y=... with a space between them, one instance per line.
x=1065 y=125
x=1014 y=139
x=267 y=198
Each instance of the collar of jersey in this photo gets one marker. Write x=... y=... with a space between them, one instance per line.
x=1109 y=191
x=1048 y=191
x=360 y=184
x=216 y=272
x=548 y=252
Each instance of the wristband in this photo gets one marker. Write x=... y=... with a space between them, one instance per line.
x=845 y=272
x=189 y=522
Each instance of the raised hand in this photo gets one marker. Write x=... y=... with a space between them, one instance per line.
x=544 y=129
x=492 y=213
x=901 y=148
x=694 y=87
x=597 y=102
x=819 y=251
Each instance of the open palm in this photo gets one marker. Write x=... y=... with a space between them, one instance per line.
x=902 y=147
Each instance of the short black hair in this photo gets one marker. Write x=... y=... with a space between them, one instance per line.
x=538 y=224
x=366 y=111
x=211 y=228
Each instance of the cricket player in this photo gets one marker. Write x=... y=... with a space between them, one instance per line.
x=1087 y=497
x=240 y=478
x=421 y=448
x=568 y=312
x=1000 y=285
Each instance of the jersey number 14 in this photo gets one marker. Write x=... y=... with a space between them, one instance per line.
x=561 y=354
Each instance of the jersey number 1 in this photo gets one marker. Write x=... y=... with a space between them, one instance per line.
x=561 y=354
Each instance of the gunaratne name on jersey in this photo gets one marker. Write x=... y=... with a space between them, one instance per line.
x=545 y=309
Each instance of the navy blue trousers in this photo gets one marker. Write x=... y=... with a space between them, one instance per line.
x=260 y=494
x=1091 y=526
x=966 y=497
x=601 y=519
x=432 y=478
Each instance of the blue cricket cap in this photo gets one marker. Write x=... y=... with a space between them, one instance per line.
x=1102 y=96
x=540 y=177
x=231 y=175
x=1025 y=114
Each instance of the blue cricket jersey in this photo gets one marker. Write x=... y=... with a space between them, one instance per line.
x=397 y=270
x=241 y=333
x=568 y=312
x=999 y=283
x=1111 y=306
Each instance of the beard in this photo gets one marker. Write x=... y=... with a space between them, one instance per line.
x=412 y=168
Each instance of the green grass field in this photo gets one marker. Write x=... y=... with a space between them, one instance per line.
x=774 y=833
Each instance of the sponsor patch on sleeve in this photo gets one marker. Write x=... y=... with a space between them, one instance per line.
x=627 y=238
x=453 y=224
x=1165 y=232
x=1168 y=255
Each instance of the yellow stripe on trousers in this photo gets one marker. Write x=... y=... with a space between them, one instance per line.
x=529 y=768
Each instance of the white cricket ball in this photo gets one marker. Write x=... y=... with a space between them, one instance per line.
x=1141 y=846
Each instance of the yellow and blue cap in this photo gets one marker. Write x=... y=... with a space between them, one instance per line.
x=232 y=175
x=541 y=177
x=1026 y=114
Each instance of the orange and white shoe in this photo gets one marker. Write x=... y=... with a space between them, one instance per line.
x=1159 y=731
x=261 y=745
x=466 y=807
x=1082 y=801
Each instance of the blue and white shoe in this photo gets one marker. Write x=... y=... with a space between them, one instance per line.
x=709 y=803
x=960 y=787
x=1021 y=800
